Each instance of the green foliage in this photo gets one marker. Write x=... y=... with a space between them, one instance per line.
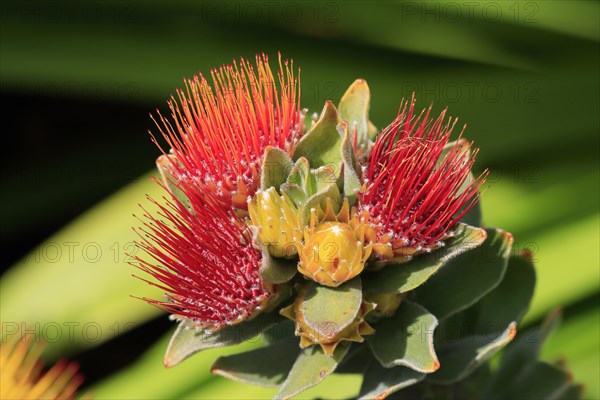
x=405 y=277
x=276 y=167
x=310 y=368
x=329 y=310
x=187 y=340
x=468 y=277
x=265 y=366
x=406 y=339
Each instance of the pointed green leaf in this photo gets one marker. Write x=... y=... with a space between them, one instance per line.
x=308 y=188
x=300 y=177
x=521 y=354
x=187 y=341
x=468 y=277
x=354 y=108
x=461 y=357
x=380 y=382
x=406 y=339
x=408 y=276
x=295 y=193
x=321 y=145
x=330 y=192
x=328 y=310
x=351 y=177
x=311 y=367
x=266 y=366
x=275 y=169
x=485 y=323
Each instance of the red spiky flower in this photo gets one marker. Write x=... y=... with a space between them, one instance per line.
x=218 y=133
x=204 y=260
x=414 y=194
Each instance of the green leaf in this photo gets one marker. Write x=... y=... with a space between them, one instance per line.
x=461 y=357
x=406 y=339
x=351 y=178
x=321 y=145
x=311 y=367
x=278 y=332
x=328 y=310
x=356 y=361
x=539 y=381
x=186 y=341
x=509 y=301
x=265 y=366
x=330 y=192
x=276 y=167
x=297 y=184
x=308 y=188
x=410 y=275
x=482 y=327
x=468 y=277
x=570 y=392
x=276 y=270
x=380 y=382
x=354 y=108
x=581 y=354
x=521 y=354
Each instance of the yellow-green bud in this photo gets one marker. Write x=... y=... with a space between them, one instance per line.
x=277 y=220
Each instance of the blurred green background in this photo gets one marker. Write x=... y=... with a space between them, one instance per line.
x=78 y=80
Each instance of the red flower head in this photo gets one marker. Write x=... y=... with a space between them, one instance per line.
x=218 y=133
x=414 y=194
x=204 y=260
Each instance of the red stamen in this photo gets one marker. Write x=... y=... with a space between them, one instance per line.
x=203 y=259
x=414 y=196
x=218 y=132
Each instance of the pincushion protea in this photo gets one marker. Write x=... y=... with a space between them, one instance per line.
x=22 y=376
x=205 y=261
x=413 y=193
x=218 y=133
x=354 y=235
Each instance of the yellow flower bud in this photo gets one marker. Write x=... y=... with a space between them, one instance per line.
x=277 y=220
x=333 y=251
x=332 y=254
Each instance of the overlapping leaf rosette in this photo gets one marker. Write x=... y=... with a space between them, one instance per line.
x=348 y=249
